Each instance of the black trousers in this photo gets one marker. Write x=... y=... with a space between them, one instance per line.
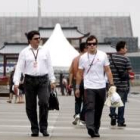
x=94 y=102
x=37 y=87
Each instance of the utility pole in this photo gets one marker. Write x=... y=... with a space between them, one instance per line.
x=39 y=14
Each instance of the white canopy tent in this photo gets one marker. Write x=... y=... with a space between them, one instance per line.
x=61 y=51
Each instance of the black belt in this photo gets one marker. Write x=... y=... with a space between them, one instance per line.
x=37 y=77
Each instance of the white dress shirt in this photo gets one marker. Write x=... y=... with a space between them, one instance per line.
x=26 y=64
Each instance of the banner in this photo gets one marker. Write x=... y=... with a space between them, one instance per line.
x=9 y=68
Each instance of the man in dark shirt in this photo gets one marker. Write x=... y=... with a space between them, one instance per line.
x=120 y=66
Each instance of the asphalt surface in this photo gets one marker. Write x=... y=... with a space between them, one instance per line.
x=14 y=124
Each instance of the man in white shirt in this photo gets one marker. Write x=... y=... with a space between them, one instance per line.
x=92 y=68
x=35 y=62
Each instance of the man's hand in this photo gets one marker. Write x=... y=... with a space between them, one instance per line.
x=111 y=90
x=70 y=86
x=77 y=93
x=53 y=85
x=16 y=89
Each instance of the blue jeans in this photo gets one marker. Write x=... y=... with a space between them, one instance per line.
x=121 y=119
x=79 y=102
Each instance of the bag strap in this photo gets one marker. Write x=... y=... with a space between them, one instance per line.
x=115 y=66
x=91 y=62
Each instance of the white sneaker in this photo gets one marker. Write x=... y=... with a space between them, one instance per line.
x=81 y=123
x=77 y=117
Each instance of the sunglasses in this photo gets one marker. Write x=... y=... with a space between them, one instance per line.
x=89 y=44
x=37 y=38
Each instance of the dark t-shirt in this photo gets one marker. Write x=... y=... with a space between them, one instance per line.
x=123 y=64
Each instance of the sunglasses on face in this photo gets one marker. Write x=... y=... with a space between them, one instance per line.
x=37 y=38
x=89 y=44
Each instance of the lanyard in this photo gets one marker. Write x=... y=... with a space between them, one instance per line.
x=91 y=62
x=35 y=56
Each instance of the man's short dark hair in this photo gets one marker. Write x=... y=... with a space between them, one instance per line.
x=82 y=46
x=120 y=45
x=92 y=37
x=30 y=34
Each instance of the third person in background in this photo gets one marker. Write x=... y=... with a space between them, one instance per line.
x=121 y=67
x=79 y=101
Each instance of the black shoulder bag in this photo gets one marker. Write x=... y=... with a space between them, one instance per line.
x=53 y=100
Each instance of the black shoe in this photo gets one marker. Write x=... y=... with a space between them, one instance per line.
x=45 y=133
x=91 y=133
x=9 y=101
x=34 y=135
x=96 y=133
x=121 y=124
x=113 y=119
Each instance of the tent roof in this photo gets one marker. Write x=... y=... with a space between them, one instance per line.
x=12 y=48
x=69 y=32
x=61 y=51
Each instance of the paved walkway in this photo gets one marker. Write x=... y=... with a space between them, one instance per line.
x=14 y=124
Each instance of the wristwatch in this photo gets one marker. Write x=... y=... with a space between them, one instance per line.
x=77 y=86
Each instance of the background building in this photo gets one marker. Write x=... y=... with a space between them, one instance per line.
x=108 y=29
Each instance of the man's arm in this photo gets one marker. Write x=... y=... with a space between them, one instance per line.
x=70 y=75
x=51 y=72
x=130 y=70
x=79 y=77
x=19 y=68
x=109 y=75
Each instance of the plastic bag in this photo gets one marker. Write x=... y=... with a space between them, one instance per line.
x=113 y=99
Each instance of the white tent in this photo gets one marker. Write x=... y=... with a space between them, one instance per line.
x=61 y=51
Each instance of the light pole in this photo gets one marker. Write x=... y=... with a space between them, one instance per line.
x=39 y=14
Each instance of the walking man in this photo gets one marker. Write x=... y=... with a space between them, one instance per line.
x=79 y=101
x=92 y=68
x=35 y=62
x=121 y=67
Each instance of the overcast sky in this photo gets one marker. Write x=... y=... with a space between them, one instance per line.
x=126 y=7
